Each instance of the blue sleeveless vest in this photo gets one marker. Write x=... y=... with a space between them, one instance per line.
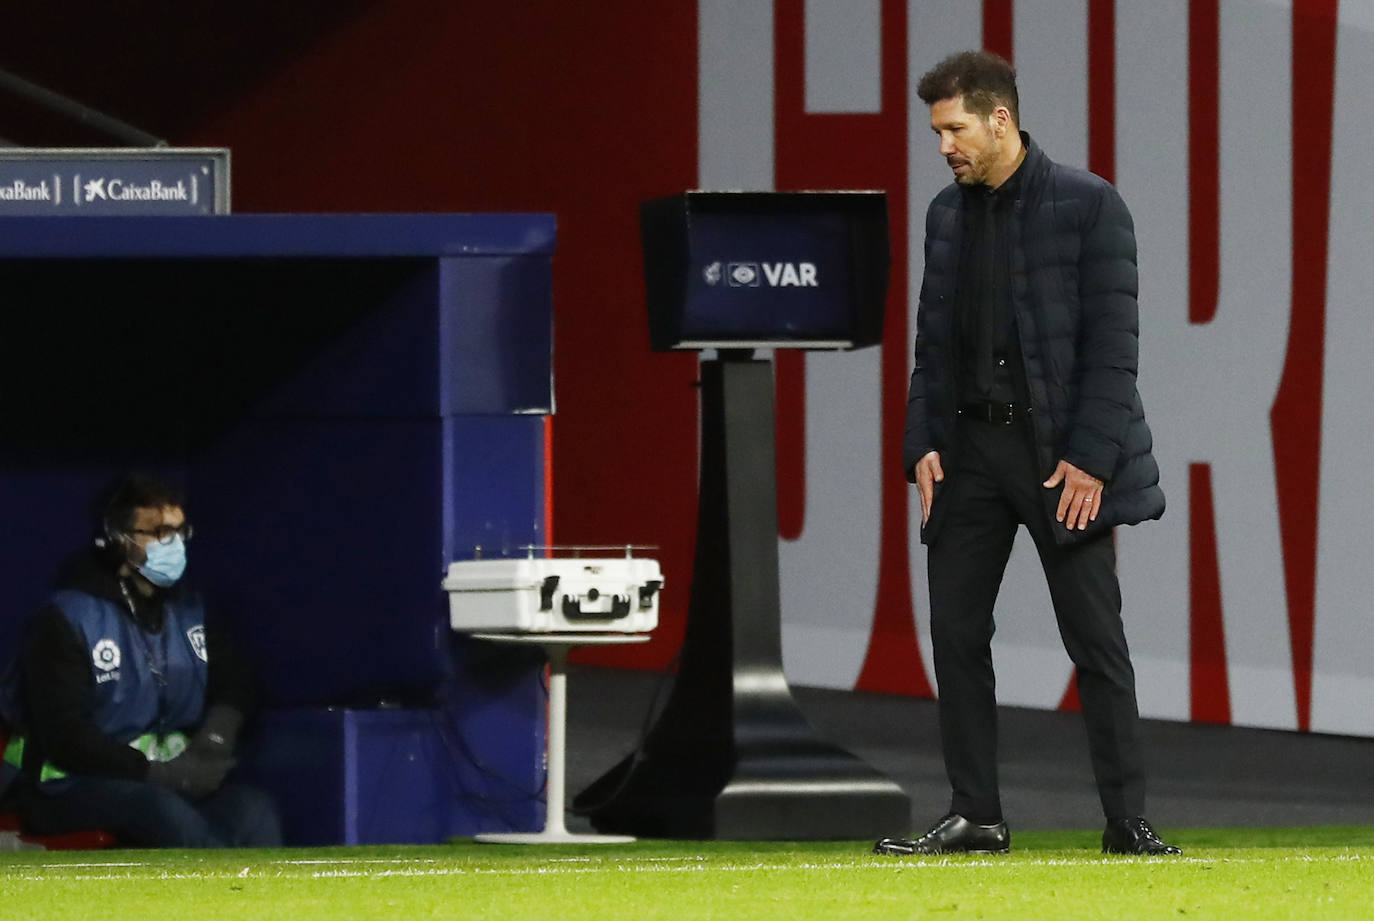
x=143 y=683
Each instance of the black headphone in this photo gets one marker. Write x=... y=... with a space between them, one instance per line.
x=108 y=541
x=109 y=537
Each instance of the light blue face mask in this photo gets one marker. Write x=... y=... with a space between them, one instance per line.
x=165 y=562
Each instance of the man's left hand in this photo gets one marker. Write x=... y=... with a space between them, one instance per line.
x=1081 y=499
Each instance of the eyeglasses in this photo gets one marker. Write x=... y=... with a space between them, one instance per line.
x=165 y=533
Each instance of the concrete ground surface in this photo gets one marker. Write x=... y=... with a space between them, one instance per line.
x=1199 y=775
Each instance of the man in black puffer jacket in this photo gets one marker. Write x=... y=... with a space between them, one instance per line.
x=1023 y=409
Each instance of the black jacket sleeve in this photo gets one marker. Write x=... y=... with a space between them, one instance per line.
x=1109 y=338
x=230 y=681
x=56 y=686
x=917 y=440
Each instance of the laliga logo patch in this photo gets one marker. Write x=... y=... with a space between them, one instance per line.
x=105 y=654
x=712 y=273
x=196 y=636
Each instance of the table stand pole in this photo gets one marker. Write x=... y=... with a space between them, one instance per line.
x=558 y=740
x=555 y=826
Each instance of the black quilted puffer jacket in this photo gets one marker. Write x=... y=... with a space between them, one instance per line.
x=1073 y=283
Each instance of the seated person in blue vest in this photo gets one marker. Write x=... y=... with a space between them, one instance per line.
x=130 y=699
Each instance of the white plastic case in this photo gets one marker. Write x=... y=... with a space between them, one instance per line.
x=554 y=595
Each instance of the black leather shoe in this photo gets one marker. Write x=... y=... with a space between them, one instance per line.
x=1134 y=836
x=953 y=834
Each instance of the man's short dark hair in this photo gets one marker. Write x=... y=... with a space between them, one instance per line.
x=984 y=79
x=134 y=490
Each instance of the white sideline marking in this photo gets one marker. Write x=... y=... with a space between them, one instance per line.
x=589 y=865
x=329 y=860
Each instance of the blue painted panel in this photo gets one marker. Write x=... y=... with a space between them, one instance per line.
x=494 y=470
x=324 y=538
x=417 y=776
x=297 y=755
x=203 y=343
x=187 y=347
x=348 y=415
x=379 y=359
x=498 y=334
x=277 y=236
x=329 y=540
x=471 y=335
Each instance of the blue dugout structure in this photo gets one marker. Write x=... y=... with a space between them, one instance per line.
x=351 y=402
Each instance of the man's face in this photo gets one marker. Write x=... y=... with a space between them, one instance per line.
x=149 y=525
x=967 y=141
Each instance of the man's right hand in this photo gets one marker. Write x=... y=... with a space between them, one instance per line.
x=928 y=473
x=191 y=774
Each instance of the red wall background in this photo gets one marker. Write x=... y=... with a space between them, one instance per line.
x=583 y=110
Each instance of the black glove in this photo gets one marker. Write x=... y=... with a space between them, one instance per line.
x=209 y=756
x=191 y=773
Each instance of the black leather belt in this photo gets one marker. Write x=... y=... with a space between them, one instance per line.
x=995 y=413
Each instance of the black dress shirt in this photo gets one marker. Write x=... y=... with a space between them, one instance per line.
x=990 y=366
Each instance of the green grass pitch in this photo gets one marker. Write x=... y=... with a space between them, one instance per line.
x=1265 y=874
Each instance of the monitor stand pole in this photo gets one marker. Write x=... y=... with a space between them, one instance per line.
x=732 y=756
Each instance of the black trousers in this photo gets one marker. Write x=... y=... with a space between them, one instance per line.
x=996 y=488
x=141 y=814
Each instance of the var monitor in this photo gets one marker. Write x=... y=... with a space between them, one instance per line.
x=803 y=270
